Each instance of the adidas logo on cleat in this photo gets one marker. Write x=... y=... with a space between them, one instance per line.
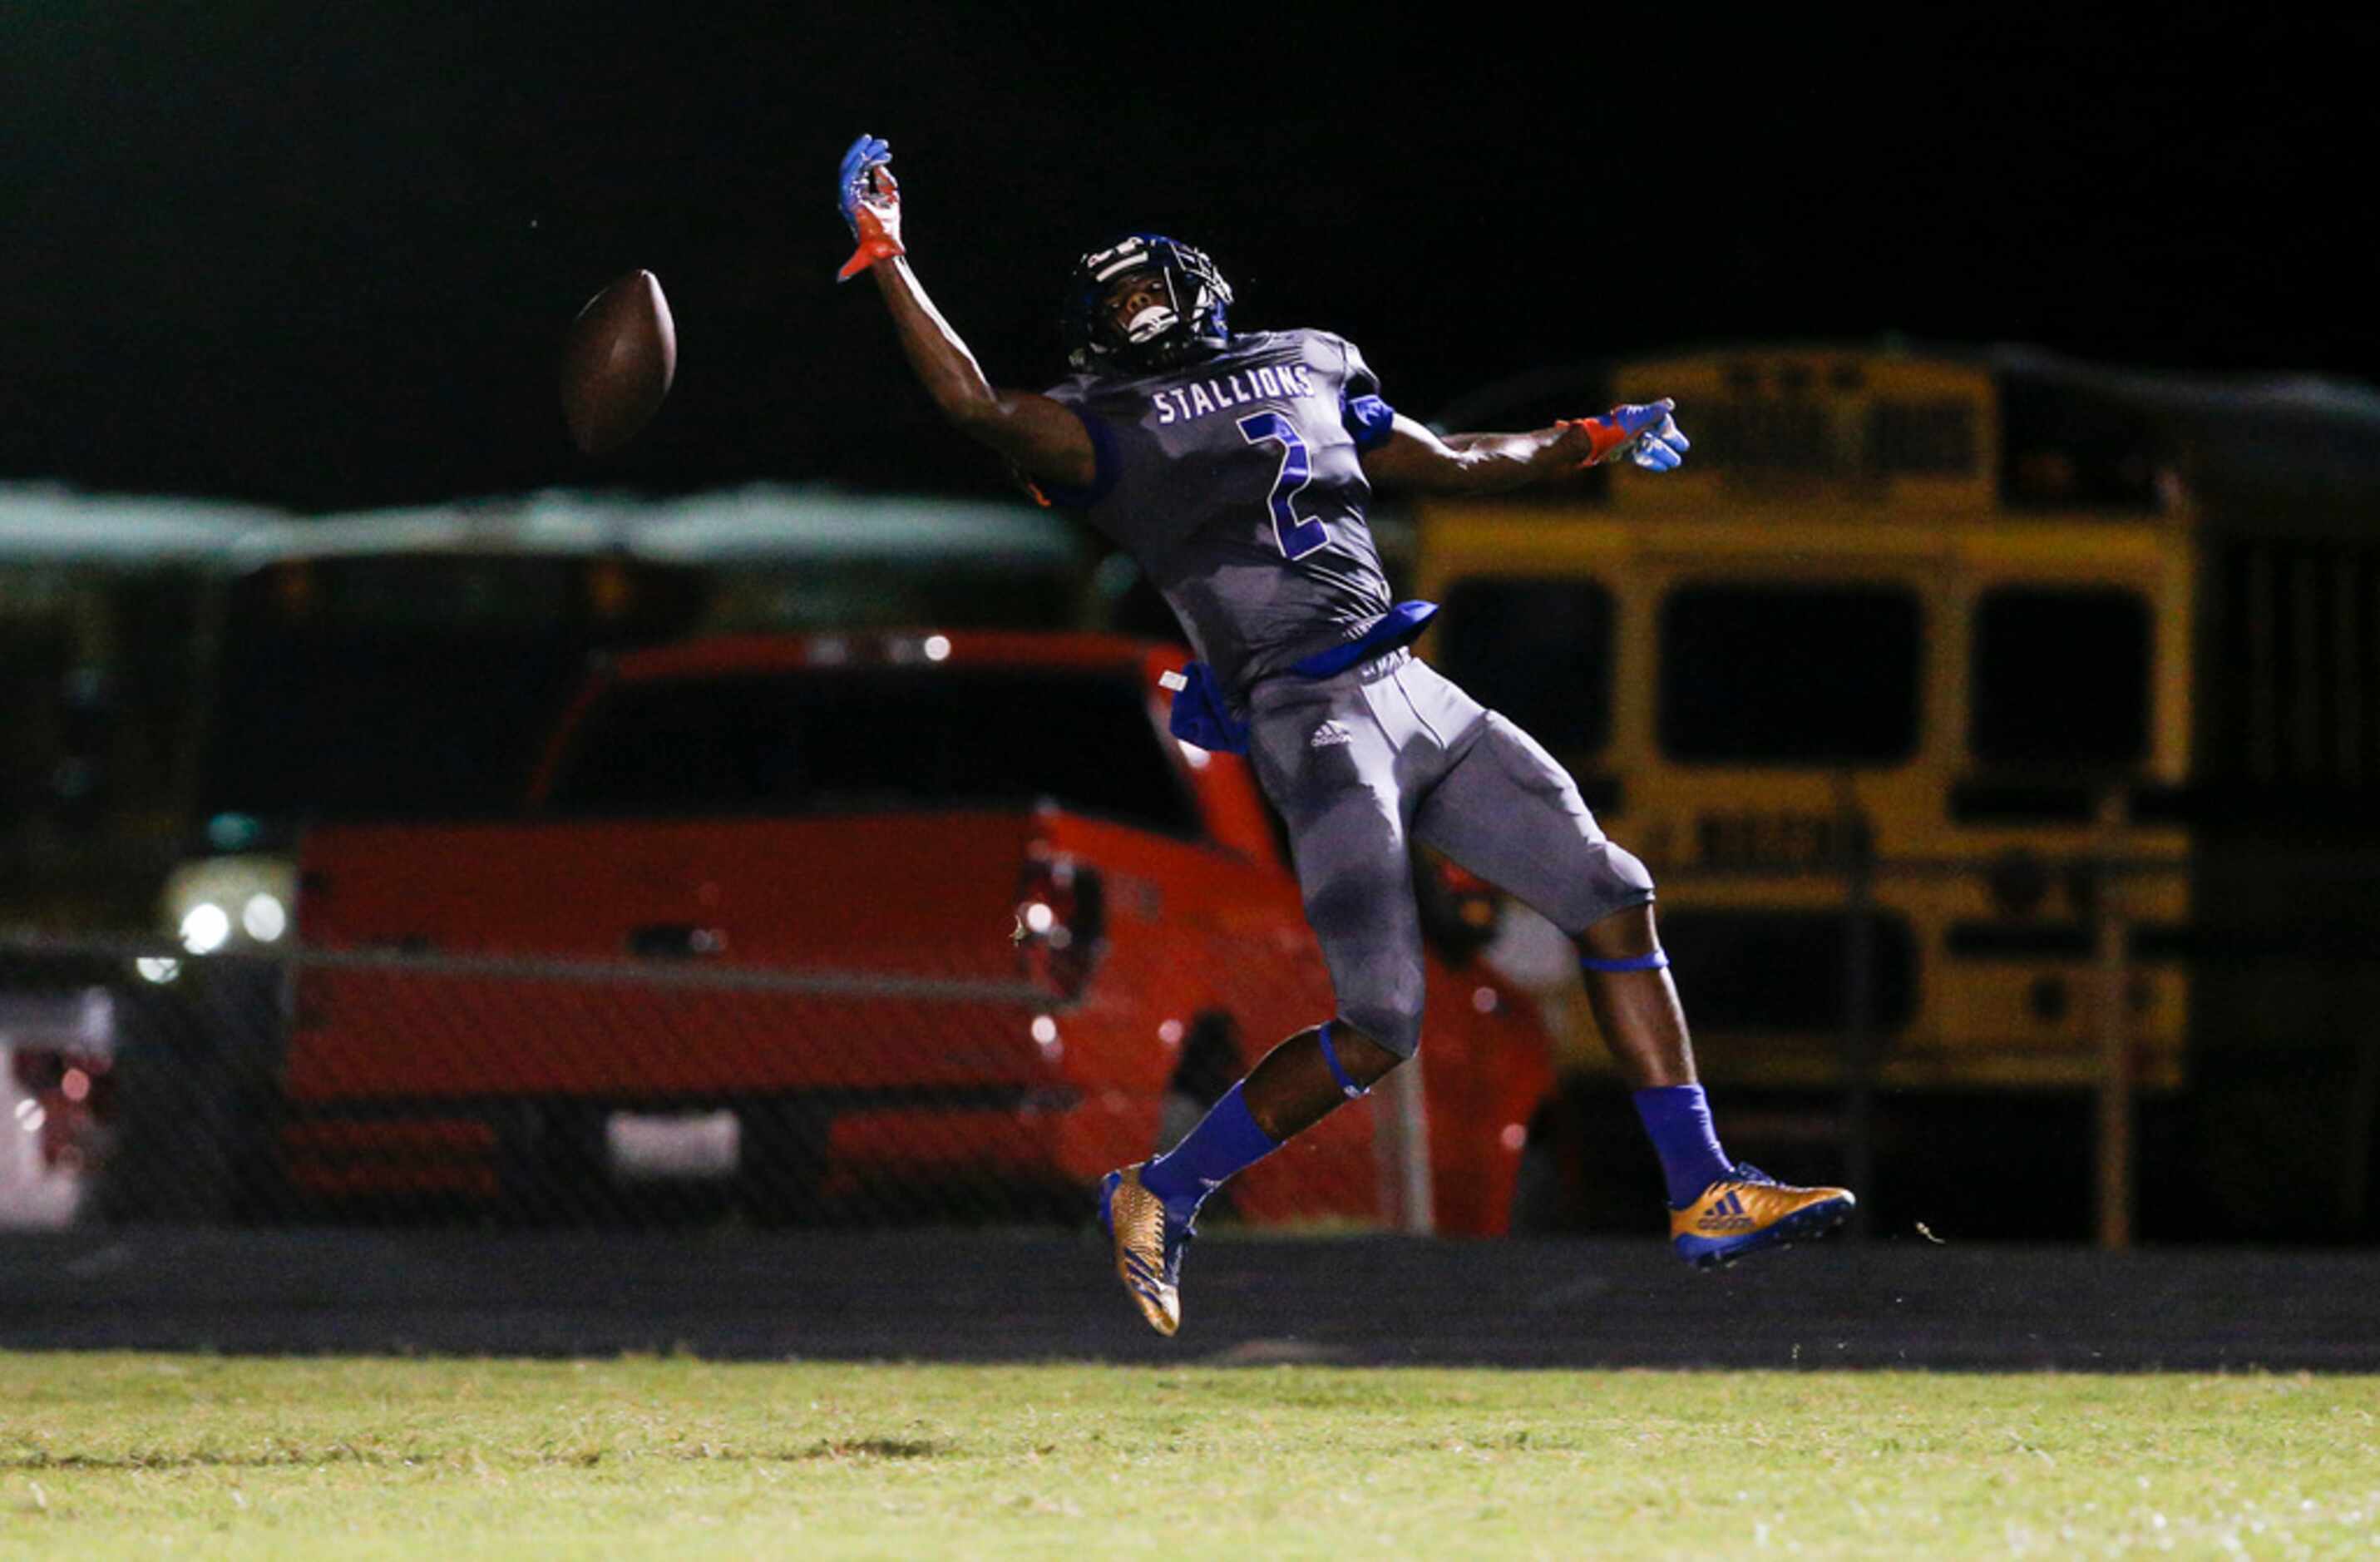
x=1727 y=1215
x=1329 y=734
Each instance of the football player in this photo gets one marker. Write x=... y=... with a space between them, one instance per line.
x=1235 y=467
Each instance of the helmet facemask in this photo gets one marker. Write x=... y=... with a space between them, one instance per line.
x=1179 y=318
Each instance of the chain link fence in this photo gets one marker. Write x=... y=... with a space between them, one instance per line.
x=2107 y=1060
x=144 y=1084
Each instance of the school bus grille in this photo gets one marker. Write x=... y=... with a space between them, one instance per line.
x=2297 y=634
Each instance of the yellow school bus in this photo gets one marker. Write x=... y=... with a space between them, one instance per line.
x=1843 y=634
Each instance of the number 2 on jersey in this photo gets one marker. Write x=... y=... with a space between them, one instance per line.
x=1297 y=538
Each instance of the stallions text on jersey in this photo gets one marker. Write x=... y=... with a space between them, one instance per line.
x=1235 y=481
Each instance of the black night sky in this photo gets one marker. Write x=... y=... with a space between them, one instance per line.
x=320 y=255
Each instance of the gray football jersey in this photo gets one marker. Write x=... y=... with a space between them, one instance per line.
x=1235 y=482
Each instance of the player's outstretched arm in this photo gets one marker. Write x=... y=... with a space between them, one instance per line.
x=1415 y=458
x=1044 y=439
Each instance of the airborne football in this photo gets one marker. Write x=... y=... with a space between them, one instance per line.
x=618 y=361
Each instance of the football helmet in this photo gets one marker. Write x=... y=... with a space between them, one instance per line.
x=1187 y=324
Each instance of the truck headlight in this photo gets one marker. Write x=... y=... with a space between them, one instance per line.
x=205 y=927
x=217 y=904
x=264 y=917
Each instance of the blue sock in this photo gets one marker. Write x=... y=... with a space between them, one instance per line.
x=1679 y=1120
x=1225 y=1140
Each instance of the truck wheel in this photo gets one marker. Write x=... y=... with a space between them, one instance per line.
x=1211 y=1059
x=1211 y=1065
x=198 y=1112
x=551 y=1165
x=1538 y=1194
x=782 y=1161
x=1584 y=1168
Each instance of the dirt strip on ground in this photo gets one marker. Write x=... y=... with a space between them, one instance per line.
x=1004 y=1296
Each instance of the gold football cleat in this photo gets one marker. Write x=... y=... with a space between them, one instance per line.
x=1147 y=1262
x=1750 y=1211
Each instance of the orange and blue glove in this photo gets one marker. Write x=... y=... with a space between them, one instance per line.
x=870 y=201
x=1645 y=433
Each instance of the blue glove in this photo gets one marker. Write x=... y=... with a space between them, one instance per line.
x=871 y=203
x=1199 y=716
x=1655 y=443
x=851 y=184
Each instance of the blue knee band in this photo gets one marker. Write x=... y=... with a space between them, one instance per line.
x=1347 y=1086
x=1658 y=960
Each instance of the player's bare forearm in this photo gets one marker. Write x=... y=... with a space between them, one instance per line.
x=940 y=359
x=1413 y=458
x=1043 y=438
x=1494 y=461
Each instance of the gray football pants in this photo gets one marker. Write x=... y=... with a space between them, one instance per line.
x=1366 y=761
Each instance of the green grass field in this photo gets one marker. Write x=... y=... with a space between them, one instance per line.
x=196 y=1456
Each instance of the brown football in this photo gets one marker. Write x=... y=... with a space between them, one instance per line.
x=617 y=363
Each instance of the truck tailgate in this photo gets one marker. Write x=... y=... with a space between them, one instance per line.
x=906 y=900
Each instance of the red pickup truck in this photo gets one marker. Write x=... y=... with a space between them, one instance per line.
x=899 y=921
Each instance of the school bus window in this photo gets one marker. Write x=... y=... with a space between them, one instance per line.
x=2068 y=447
x=1757 y=674
x=1783 y=972
x=1539 y=651
x=1766 y=435
x=1923 y=438
x=2061 y=677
